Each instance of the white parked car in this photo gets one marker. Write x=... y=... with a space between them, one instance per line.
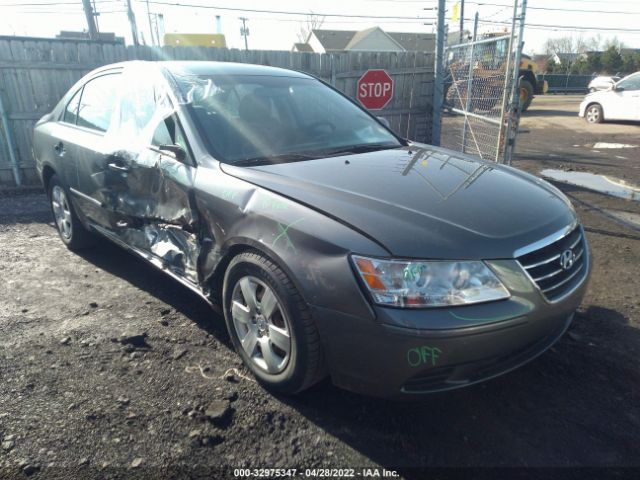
x=602 y=83
x=621 y=102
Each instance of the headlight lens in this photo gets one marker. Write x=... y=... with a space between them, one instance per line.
x=437 y=283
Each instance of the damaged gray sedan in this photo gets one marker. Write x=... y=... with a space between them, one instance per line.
x=332 y=246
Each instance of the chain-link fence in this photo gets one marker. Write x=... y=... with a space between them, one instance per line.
x=476 y=83
x=481 y=103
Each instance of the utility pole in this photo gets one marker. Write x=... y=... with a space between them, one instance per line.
x=244 y=31
x=461 y=20
x=150 y=27
x=132 y=22
x=438 y=87
x=91 y=19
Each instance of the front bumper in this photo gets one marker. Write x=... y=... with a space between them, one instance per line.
x=583 y=108
x=405 y=353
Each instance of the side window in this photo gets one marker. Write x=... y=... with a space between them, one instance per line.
x=98 y=102
x=165 y=133
x=137 y=107
x=71 y=112
x=632 y=83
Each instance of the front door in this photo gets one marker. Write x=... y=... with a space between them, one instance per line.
x=625 y=100
x=149 y=195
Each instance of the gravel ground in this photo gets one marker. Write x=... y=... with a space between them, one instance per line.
x=110 y=369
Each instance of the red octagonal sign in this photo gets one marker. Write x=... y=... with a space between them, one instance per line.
x=375 y=89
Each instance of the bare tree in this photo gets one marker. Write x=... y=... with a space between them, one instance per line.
x=559 y=45
x=311 y=23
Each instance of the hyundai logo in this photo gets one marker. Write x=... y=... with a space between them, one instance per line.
x=566 y=259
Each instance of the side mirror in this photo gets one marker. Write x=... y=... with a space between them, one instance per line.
x=385 y=122
x=174 y=151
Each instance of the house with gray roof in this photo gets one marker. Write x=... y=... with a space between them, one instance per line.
x=372 y=39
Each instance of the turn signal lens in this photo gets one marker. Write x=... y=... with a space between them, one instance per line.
x=369 y=274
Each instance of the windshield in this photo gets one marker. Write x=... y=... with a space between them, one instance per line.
x=249 y=119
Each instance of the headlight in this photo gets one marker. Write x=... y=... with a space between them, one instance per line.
x=435 y=283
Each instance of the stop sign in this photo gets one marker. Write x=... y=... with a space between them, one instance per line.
x=375 y=89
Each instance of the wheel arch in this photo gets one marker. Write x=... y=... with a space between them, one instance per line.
x=47 y=173
x=234 y=247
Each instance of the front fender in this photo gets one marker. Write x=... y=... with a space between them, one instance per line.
x=310 y=247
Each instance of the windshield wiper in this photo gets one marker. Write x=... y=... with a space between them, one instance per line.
x=297 y=157
x=359 y=148
x=273 y=159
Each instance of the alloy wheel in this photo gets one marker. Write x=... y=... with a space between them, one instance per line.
x=593 y=115
x=61 y=211
x=261 y=324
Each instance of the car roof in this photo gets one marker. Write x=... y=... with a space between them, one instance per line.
x=226 y=68
x=195 y=67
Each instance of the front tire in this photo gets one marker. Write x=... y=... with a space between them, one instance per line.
x=594 y=114
x=71 y=231
x=270 y=325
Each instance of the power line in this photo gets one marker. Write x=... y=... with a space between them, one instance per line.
x=281 y=12
x=53 y=4
x=529 y=7
x=538 y=25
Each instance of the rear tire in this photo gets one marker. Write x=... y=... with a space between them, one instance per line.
x=526 y=95
x=71 y=230
x=270 y=325
x=594 y=114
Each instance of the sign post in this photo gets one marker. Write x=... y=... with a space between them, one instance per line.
x=375 y=89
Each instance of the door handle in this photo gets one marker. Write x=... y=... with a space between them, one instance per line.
x=118 y=168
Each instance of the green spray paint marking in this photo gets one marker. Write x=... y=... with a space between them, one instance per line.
x=424 y=355
x=274 y=204
x=283 y=233
x=489 y=319
x=229 y=194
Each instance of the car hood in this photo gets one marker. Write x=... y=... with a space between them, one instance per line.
x=422 y=201
x=597 y=95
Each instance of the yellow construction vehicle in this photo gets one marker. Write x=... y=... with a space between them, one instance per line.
x=488 y=68
x=529 y=84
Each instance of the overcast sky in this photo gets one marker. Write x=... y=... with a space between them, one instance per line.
x=278 y=31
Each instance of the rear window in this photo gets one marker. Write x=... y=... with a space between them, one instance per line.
x=98 y=102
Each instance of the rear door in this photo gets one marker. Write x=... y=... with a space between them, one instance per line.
x=96 y=161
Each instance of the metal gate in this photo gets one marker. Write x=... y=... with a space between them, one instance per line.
x=481 y=104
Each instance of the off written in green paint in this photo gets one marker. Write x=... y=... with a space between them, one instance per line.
x=424 y=355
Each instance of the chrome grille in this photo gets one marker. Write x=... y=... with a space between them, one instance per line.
x=545 y=268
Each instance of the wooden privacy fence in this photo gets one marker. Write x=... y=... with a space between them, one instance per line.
x=35 y=73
